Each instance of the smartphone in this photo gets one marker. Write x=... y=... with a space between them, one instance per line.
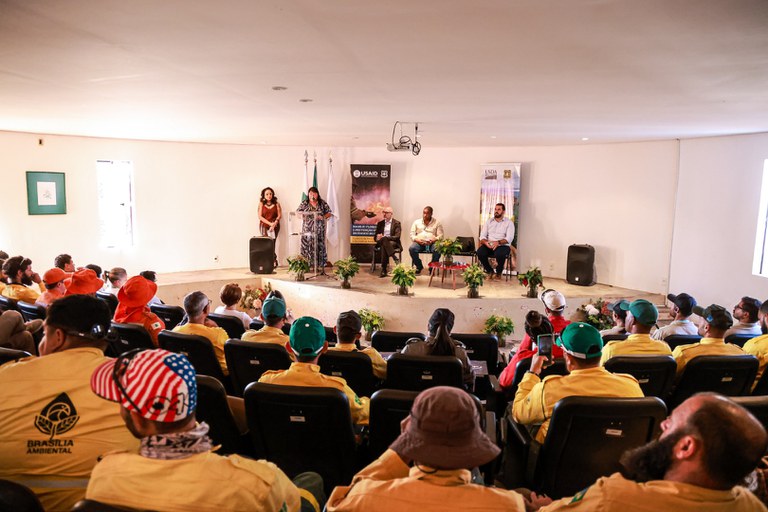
x=544 y=344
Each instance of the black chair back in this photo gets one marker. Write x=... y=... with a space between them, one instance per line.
x=110 y=299
x=655 y=374
x=739 y=339
x=354 y=367
x=388 y=408
x=11 y=354
x=393 y=341
x=727 y=375
x=675 y=340
x=761 y=386
x=481 y=347
x=97 y=506
x=614 y=337
x=248 y=360
x=256 y=325
x=233 y=326
x=170 y=315
x=467 y=247
x=587 y=437
x=417 y=373
x=199 y=351
x=286 y=328
x=7 y=304
x=556 y=368
x=31 y=311
x=131 y=336
x=18 y=498
x=213 y=408
x=757 y=405
x=330 y=336
x=303 y=429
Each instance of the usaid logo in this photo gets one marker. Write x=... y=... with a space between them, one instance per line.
x=384 y=174
x=356 y=173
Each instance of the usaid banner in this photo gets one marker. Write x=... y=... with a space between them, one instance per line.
x=501 y=184
x=370 y=195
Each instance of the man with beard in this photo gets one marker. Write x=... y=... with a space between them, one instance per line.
x=745 y=312
x=707 y=447
x=758 y=347
x=495 y=237
x=20 y=278
x=424 y=233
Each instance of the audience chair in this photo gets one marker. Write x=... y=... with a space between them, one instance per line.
x=131 y=336
x=330 y=336
x=303 y=428
x=18 y=498
x=614 y=337
x=31 y=311
x=727 y=375
x=110 y=299
x=98 y=506
x=233 y=326
x=757 y=405
x=481 y=347
x=655 y=374
x=7 y=304
x=761 y=386
x=213 y=408
x=376 y=258
x=675 y=340
x=393 y=341
x=556 y=368
x=11 y=354
x=170 y=315
x=354 y=367
x=248 y=360
x=199 y=351
x=256 y=324
x=585 y=440
x=735 y=339
x=417 y=373
x=286 y=328
x=467 y=248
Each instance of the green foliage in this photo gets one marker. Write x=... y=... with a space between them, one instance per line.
x=595 y=314
x=499 y=325
x=448 y=246
x=372 y=320
x=532 y=279
x=473 y=275
x=346 y=268
x=403 y=276
x=298 y=265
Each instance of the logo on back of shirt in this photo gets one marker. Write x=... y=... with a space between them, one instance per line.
x=56 y=418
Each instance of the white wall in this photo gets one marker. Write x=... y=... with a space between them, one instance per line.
x=198 y=201
x=716 y=219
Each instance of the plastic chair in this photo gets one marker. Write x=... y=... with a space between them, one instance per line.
x=481 y=347
x=199 y=351
x=417 y=373
x=467 y=248
x=377 y=256
x=256 y=324
x=727 y=375
x=739 y=339
x=757 y=405
x=131 y=336
x=170 y=315
x=7 y=304
x=675 y=340
x=655 y=374
x=213 y=408
x=11 y=354
x=110 y=299
x=31 y=311
x=393 y=341
x=248 y=360
x=18 y=498
x=614 y=337
x=233 y=326
x=354 y=367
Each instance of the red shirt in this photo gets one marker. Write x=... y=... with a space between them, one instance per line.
x=528 y=349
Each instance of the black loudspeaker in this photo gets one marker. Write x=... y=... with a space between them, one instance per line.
x=580 y=269
x=262 y=254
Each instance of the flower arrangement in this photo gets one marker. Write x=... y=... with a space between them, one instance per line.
x=595 y=314
x=253 y=297
x=532 y=279
x=448 y=246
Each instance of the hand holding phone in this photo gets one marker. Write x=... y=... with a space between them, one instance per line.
x=544 y=344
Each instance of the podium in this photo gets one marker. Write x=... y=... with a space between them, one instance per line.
x=303 y=228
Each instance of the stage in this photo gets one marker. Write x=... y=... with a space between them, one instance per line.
x=323 y=297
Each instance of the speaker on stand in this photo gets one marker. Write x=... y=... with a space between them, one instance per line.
x=262 y=254
x=580 y=268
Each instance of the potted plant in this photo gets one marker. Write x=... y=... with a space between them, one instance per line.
x=532 y=279
x=448 y=247
x=298 y=265
x=346 y=270
x=403 y=277
x=371 y=320
x=501 y=326
x=473 y=277
x=595 y=314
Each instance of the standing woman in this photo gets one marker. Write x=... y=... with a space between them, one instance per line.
x=270 y=214
x=314 y=224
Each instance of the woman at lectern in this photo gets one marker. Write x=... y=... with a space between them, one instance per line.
x=270 y=214
x=313 y=227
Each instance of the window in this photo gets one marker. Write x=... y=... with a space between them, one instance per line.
x=760 y=265
x=116 y=208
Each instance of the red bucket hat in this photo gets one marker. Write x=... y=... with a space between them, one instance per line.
x=83 y=282
x=137 y=291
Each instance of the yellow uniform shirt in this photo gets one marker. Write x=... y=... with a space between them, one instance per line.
x=269 y=334
x=758 y=347
x=202 y=482
x=308 y=374
x=217 y=335
x=54 y=427
x=535 y=398
x=21 y=292
x=706 y=347
x=635 y=345
x=617 y=494
x=388 y=484
x=378 y=362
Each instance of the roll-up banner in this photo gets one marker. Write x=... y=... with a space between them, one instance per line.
x=370 y=194
x=501 y=184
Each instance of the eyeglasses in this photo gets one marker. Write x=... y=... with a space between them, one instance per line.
x=118 y=372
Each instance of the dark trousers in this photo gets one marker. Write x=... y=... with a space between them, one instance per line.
x=501 y=253
x=387 y=247
x=416 y=249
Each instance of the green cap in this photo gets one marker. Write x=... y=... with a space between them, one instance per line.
x=645 y=313
x=581 y=340
x=273 y=306
x=307 y=336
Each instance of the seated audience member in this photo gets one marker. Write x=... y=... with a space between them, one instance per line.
x=151 y=275
x=440 y=343
x=288 y=313
x=582 y=346
x=348 y=329
x=116 y=278
x=54 y=428
x=758 y=346
x=746 y=314
x=641 y=317
x=273 y=311
x=495 y=239
x=307 y=341
x=132 y=307
x=175 y=467
x=197 y=306
x=64 y=262
x=707 y=447
x=682 y=309
x=424 y=233
x=17 y=334
x=54 y=287
x=230 y=295
x=715 y=321
x=83 y=282
x=554 y=307
x=21 y=277
x=428 y=467
x=619 y=317
x=2 y=274
x=96 y=269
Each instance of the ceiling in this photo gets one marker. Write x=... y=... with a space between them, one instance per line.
x=485 y=73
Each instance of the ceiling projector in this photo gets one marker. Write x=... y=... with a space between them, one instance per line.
x=400 y=146
x=405 y=143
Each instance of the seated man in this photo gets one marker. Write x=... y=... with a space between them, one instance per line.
x=424 y=233
x=17 y=334
x=197 y=306
x=132 y=308
x=619 y=317
x=428 y=466
x=535 y=398
x=746 y=313
x=495 y=239
x=387 y=238
x=682 y=309
x=273 y=312
x=83 y=282
x=715 y=321
x=21 y=278
x=641 y=317
x=307 y=341
x=54 y=428
x=54 y=287
x=758 y=346
x=175 y=467
x=707 y=447
x=348 y=329
x=65 y=263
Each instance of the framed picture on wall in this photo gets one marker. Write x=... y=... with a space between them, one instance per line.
x=46 y=193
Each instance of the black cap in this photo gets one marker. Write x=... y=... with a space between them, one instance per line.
x=348 y=325
x=683 y=301
x=716 y=316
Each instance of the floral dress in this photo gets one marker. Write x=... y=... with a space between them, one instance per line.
x=317 y=226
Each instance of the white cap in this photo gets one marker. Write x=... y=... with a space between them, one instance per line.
x=553 y=299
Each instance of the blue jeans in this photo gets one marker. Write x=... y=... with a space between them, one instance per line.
x=501 y=253
x=415 y=249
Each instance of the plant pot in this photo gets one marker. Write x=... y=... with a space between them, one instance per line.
x=531 y=292
x=473 y=292
x=345 y=284
x=402 y=290
x=448 y=260
x=300 y=276
x=502 y=341
x=368 y=335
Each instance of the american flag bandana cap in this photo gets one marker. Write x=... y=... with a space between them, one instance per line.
x=157 y=384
